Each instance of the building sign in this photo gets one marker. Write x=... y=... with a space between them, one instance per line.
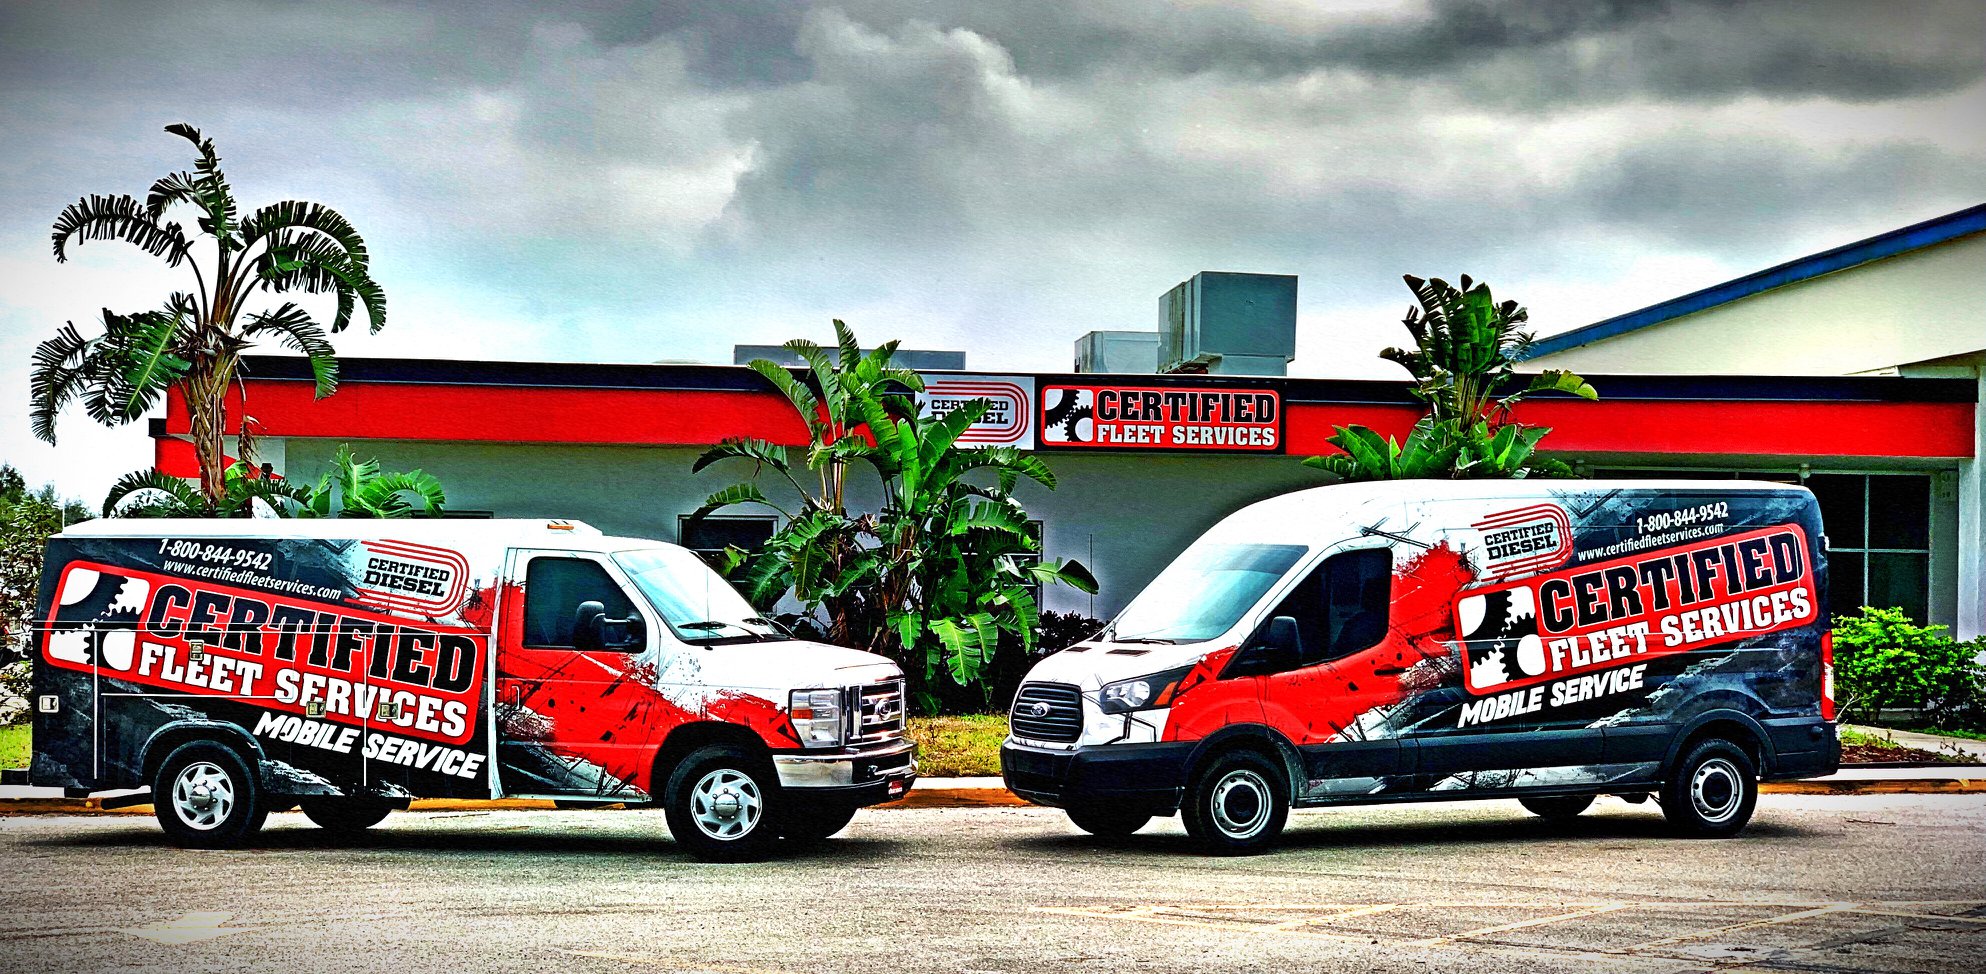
x=1165 y=418
x=1008 y=422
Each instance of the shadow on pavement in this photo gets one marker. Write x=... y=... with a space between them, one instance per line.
x=1317 y=831
x=477 y=839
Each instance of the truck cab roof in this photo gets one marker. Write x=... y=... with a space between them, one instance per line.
x=506 y=532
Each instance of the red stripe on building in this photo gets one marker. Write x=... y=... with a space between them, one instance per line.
x=675 y=417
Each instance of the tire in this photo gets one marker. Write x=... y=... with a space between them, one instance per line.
x=723 y=804
x=1108 y=822
x=1557 y=808
x=344 y=814
x=1712 y=792
x=814 y=823
x=1237 y=804
x=206 y=796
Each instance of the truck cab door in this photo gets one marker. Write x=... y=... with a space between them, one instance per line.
x=575 y=678
x=1331 y=704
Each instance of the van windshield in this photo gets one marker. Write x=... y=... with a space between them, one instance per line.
x=695 y=602
x=1203 y=593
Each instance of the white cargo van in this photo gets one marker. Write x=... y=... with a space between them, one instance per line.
x=1550 y=641
x=235 y=667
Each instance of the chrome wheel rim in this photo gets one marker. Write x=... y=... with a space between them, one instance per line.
x=726 y=804
x=1241 y=803
x=203 y=795
x=1716 y=790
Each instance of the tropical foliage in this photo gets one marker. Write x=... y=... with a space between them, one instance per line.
x=351 y=488
x=945 y=571
x=27 y=520
x=1466 y=348
x=1884 y=661
x=195 y=340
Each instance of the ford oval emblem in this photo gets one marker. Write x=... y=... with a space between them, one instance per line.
x=1038 y=709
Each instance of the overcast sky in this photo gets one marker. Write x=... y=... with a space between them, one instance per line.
x=594 y=181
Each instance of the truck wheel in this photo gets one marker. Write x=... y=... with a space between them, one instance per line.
x=1712 y=792
x=813 y=823
x=1237 y=804
x=345 y=814
x=1557 y=808
x=1106 y=821
x=206 y=797
x=721 y=804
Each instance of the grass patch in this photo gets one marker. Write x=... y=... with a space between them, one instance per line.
x=16 y=744
x=958 y=747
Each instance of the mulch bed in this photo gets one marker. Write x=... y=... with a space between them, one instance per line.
x=1889 y=753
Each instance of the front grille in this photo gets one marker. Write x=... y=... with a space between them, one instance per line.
x=878 y=712
x=1047 y=712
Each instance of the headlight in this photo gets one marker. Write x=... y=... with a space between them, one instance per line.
x=816 y=717
x=1142 y=693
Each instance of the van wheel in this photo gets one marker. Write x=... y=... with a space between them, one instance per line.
x=1712 y=792
x=815 y=823
x=1557 y=808
x=1106 y=821
x=721 y=802
x=1237 y=804
x=206 y=797
x=344 y=814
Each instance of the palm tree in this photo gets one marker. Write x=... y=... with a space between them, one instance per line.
x=196 y=339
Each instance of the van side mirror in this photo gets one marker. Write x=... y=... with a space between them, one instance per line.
x=592 y=630
x=1277 y=647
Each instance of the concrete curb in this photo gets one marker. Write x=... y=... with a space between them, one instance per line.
x=998 y=797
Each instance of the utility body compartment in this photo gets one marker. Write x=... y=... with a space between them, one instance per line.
x=1417 y=640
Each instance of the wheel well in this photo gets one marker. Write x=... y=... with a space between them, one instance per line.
x=166 y=741
x=686 y=739
x=1269 y=748
x=1727 y=729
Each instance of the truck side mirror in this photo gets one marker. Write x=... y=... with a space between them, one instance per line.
x=1276 y=647
x=592 y=630
x=589 y=626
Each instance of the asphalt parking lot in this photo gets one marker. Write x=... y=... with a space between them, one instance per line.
x=1818 y=884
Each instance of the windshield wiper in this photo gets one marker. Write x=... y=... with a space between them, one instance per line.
x=1144 y=639
x=706 y=624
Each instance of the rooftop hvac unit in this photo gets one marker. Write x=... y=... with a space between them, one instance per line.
x=1120 y=352
x=1226 y=323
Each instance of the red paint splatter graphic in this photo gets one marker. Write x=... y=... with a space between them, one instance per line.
x=1318 y=703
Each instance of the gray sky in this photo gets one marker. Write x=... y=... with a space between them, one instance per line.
x=596 y=181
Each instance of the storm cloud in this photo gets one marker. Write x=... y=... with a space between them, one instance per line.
x=624 y=182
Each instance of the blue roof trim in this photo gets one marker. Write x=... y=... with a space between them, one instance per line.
x=1915 y=237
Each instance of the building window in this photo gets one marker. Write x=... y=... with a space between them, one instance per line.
x=1878 y=540
x=1878 y=532
x=711 y=535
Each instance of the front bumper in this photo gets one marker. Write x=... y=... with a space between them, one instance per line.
x=864 y=778
x=1150 y=775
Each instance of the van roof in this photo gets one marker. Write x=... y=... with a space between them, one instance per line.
x=505 y=532
x=1311 y=510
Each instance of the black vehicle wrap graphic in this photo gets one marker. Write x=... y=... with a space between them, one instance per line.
x=294 y=642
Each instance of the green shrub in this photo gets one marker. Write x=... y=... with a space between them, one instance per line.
x=1884 y=661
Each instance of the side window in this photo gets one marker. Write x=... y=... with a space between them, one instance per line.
x=1341 y=607
x=1358 y=590
x=553 y=589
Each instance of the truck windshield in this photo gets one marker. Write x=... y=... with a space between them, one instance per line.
x=1203 y=593
x=695 y=602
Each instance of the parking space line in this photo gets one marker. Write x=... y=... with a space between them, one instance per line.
x=1522 y=924
x=1822 y=910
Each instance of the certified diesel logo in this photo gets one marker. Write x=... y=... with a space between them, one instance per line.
x=1528 y=539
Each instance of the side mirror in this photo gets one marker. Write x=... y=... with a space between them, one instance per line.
x=589 y=626
x=1276 y=647
x=592 y=630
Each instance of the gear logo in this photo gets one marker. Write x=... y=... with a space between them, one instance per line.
x=1500 y=638
x=95 y=621
x=1070 y=417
